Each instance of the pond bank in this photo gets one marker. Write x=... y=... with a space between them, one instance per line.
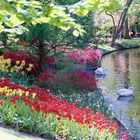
x=123 y=44
x=126 y=123
x=118 y=49
x=123 y=71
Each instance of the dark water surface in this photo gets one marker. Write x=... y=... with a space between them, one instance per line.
x=123 y=70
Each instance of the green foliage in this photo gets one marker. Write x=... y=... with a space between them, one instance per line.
x=66 y=2
x=3 y=37
x=88 y=24
x=23 y=118
x=104 y=30
x=135 y=8
x=82 y=8
x=64 y=66
x=49 y=33
x=20 y=17
x=14 y=13
x=130 y=43
x=105 y=48
x=44 y=32
x=17 y=78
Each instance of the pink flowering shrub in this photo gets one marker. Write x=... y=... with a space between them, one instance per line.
x=123 y=135
x=89 y=55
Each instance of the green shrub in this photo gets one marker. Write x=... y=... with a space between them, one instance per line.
x=18 y=78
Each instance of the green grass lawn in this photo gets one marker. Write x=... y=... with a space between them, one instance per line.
x=130 y=43
x=105 y=48
x=125 y=43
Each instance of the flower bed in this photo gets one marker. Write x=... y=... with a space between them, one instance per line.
x=36 y=110
x=22 y=63
x=18 y=62
x=18 y=100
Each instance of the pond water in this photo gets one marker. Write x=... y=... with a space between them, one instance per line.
x=123 y=70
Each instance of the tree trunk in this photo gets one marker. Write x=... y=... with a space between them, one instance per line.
x=120 y=25
x=42 y=56
x=126 y=29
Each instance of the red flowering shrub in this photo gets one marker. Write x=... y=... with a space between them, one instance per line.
x=82 y=80
x=45 y=75
x=51 y=60
x=78 y=80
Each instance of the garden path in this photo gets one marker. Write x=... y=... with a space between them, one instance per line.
x=9 y=134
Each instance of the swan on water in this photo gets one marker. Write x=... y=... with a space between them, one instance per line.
x=101 y=71
x=126 y=99
x=126 y=91
x=100 y=77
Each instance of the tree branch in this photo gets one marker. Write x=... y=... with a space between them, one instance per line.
x=58 y=44
x=113 y=20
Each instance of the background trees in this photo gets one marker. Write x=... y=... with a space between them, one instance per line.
x=134 y=18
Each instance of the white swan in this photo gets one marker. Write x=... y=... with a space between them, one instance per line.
x=101 y=71
x=125 y=92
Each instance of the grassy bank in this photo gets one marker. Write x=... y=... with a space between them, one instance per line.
x=120 y=45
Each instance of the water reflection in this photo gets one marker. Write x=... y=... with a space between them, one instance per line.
x=121 y=61
x=123 y=71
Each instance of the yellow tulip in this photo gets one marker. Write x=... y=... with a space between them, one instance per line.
x=31 y=65
x=27 y=93
x=20 y=92
x=7 y=94
x=33 y=95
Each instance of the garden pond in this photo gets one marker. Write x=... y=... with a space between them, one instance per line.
x=123 y=71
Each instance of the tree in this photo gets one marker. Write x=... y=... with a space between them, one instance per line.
x=120 y=25
x=134 y=16
x=126 y=28
x=24 y=13
x=17 y=14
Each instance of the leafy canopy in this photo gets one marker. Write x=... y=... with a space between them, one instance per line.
x=14 y=13
x=17 y=12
